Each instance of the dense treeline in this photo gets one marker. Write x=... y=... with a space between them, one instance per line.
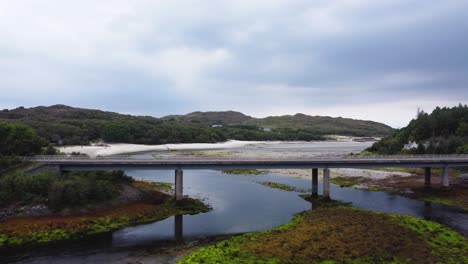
x=58 y=191
x=444 y=131
x=17 y=140
x=64 y=125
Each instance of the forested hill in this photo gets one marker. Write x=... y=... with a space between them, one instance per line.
x=444 y=131
x=61 y=124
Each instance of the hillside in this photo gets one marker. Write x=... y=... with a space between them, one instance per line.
x=444 y=131
x=210 y=118
x=60 y=124
x=324 y=125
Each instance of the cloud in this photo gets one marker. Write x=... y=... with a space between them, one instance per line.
x=260 y=57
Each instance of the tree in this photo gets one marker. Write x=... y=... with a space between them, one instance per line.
x=19 y=139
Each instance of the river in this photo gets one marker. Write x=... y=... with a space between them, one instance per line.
x=240 y=204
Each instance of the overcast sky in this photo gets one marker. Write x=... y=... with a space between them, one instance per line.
x=366 y=59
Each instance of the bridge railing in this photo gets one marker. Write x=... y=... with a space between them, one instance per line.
x=157 y=157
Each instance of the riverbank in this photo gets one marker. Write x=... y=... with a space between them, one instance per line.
x=154 y=206
x=337 y=233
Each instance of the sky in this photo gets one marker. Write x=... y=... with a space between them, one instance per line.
x=364 y=59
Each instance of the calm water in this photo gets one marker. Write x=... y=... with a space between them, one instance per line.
x=239 y=204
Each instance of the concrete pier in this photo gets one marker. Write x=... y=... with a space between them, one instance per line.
x=427 y=177
x=445 y=178
x=314 y=182
x=326 y=183
x=179 y=193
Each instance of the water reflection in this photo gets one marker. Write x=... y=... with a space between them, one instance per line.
x=179 y=228
x=239 y=205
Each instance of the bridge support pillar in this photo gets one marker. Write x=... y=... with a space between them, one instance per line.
x=445 y=178
x=314 y=183
x=326 y=183
x=179 y=194
x=427 y=177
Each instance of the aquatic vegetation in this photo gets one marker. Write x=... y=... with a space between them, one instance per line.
x=341 y=234
x=153 y=186
x=413 y=187
x=281 y=186
x=245 y=171
x=321 y=202
x=347 y=181
x=375 y=189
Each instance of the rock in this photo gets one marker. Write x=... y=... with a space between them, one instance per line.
x=463 y=179
x=6 y=213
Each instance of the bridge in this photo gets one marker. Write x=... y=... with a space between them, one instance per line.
x=79 y=163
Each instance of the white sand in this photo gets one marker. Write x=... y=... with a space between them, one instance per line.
x=366 y=173
x=113 y=149
x=222 y=150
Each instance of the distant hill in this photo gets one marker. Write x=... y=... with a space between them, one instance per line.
x=320 y=124
x=210 y=118
x=61 y=124
x=444 y=131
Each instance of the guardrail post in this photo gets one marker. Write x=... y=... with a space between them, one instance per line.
x=314 y=183
x=326 y=183
x=427 y=177
x=445 y=177
x=179 y=195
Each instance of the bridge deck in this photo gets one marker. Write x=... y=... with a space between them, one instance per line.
x=126 y=162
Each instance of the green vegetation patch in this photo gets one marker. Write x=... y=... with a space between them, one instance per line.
x=347 y=181
x=153 y=186
x=73 y=189
x=342 y=235
x=245 y=171
x=321 y=202
x=32 y=230
x=281 y=186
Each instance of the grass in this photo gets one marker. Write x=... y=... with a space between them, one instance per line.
x=338 y=233
x=245 y=171
x=281 y=186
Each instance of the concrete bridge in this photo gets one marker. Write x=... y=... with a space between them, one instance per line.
x=72 y=163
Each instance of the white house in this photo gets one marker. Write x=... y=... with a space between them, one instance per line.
x=411 y=145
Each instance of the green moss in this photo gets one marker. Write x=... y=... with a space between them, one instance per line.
x=281 y=186
x=445 y=243
x=244 y=171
